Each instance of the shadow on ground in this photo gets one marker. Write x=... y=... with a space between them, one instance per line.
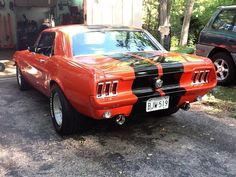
x=185 y=144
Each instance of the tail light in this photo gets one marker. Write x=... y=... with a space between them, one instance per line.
x=200 y=77
x=114 y=87
x=107 y=89
x=99 y=91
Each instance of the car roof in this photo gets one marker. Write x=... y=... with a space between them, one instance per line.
x=227 y=7
x=85 y=28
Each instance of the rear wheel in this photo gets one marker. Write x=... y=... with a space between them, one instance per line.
x=225 y=68
x=2 y=67
x=22 y=83
x=64 y=117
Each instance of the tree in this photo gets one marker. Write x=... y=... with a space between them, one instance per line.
x=202 y=12
x=150 y=14
x=164 y=19
x=186 y=23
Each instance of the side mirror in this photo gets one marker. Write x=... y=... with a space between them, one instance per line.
x=32 y=49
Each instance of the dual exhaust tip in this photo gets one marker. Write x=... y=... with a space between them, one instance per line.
x=186 y=106
x=121 y=119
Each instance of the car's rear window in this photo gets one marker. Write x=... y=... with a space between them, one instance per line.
x=102 y=42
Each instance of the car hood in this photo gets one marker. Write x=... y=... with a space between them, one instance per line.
x=141 y=61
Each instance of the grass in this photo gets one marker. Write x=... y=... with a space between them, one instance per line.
x=187 y=50
x=223 y=99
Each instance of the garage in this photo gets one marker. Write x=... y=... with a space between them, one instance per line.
x=20 y=26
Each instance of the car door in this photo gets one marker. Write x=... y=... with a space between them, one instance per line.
x=43 y=52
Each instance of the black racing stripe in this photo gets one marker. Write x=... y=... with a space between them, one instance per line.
x=145 y=74
x=172 y=70
x=172 y=73
x=142 y=86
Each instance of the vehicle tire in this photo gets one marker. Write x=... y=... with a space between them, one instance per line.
x=65 y=118
x=165 y=112
x=22 y=83
x=225 y=68
x=2 y=67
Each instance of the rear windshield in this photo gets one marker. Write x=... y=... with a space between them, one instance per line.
x=103 y=42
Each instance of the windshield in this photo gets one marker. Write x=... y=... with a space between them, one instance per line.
x=103 y=42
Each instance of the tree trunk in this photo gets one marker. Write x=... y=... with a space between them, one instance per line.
x=164 y=19
x=185 y=28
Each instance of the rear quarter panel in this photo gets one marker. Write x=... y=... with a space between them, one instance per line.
x=76 y=81
x=192 y=91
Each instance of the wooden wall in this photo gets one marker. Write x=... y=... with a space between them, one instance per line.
x=114 y=12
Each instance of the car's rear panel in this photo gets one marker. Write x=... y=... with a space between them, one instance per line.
x=184 y=79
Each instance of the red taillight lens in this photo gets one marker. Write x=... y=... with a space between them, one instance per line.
x=200 y=77
x=206 y=76
x=114 y=87
x=106 y=89
x=99 y=91
x=195 y=77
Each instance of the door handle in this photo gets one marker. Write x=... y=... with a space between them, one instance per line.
x=41 y=60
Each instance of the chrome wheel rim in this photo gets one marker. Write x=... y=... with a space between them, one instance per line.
x=222 y=69
x=57 y=109
x=19 y=76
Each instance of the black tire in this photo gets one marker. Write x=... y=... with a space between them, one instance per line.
x=165 y=112
x=72 y=121
x=227 y=77
x=2 y=67
x=22 y=83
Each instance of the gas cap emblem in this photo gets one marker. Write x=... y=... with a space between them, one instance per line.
x=158 y=83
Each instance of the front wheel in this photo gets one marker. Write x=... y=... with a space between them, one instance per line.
x=64 y=117
x=225 y=68
x=22 y=83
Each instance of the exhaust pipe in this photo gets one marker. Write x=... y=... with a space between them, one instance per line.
x=186 y=106
x=120 y=119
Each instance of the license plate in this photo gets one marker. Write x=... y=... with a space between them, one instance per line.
x=158 y=103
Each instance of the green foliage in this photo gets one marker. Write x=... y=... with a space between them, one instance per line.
x=174 y=41
x=187 y=50
x=223 y=99
x=203 y=10
x=150 y=19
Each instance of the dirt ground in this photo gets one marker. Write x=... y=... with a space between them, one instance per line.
x=185 y=144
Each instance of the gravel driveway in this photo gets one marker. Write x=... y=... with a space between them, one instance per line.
x=184 y=144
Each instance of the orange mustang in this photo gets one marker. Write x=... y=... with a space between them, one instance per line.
x=108 y=72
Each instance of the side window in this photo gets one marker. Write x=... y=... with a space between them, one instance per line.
x=46 y=44
x=225 y=21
